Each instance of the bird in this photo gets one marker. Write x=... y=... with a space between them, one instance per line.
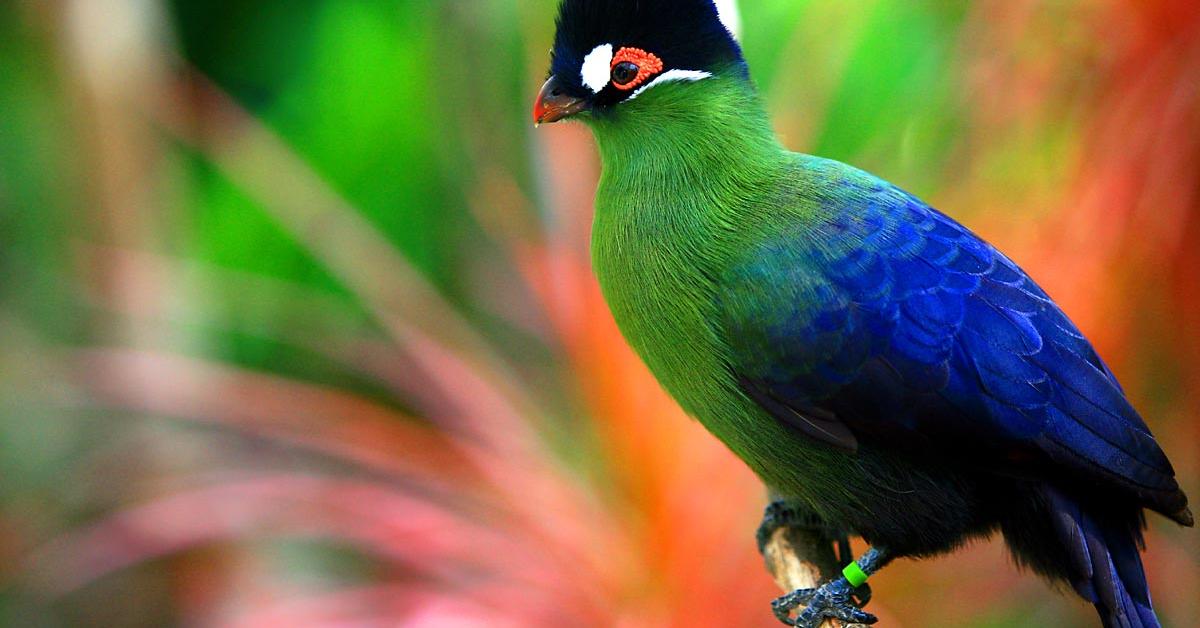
x=886 y=372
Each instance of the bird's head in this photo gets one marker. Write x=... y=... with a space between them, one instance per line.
x=609 y=52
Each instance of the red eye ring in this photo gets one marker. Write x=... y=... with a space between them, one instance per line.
x=647 y=64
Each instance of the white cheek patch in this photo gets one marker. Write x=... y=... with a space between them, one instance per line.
x=727 y=11
x=596 y=67
x=672 y=75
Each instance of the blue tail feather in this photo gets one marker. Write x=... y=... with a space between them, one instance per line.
x=1105 y=568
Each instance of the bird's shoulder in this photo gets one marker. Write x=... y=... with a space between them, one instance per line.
x=827 y=242
x=863 y=250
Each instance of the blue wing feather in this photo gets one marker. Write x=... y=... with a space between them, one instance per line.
x=906 y=321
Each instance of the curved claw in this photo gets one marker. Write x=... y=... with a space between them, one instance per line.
x=833 y=600
x=783 y=606
x=861 y=595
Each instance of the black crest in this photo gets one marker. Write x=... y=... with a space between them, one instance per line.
x=685 y=34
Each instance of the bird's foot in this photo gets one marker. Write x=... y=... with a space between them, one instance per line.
x=783 y=514
x=834 y=600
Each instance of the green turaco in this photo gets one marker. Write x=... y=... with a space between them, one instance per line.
x=886 y=372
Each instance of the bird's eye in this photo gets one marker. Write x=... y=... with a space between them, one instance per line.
x=624 y=73
x=632 y=67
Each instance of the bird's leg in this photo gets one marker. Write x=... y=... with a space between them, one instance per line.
x=862 y=593
x=833 y=599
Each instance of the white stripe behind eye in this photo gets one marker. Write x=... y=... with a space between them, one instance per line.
x=672 y=75
x=596 y=67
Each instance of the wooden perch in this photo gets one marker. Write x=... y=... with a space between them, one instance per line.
x=802 y=559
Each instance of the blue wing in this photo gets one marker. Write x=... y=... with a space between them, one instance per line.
x=888 y=320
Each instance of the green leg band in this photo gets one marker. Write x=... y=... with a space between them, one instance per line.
x=855 y=575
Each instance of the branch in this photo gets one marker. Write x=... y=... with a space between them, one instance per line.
x=800 y=558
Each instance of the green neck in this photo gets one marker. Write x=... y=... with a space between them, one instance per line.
x=710 y=137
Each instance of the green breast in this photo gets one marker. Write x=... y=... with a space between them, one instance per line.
x=654 y=274
x=657 y=265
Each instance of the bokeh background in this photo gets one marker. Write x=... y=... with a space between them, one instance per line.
x=297 y=325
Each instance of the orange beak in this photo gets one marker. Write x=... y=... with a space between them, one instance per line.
x=554 y=104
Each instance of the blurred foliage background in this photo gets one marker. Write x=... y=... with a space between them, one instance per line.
x=297 y=325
